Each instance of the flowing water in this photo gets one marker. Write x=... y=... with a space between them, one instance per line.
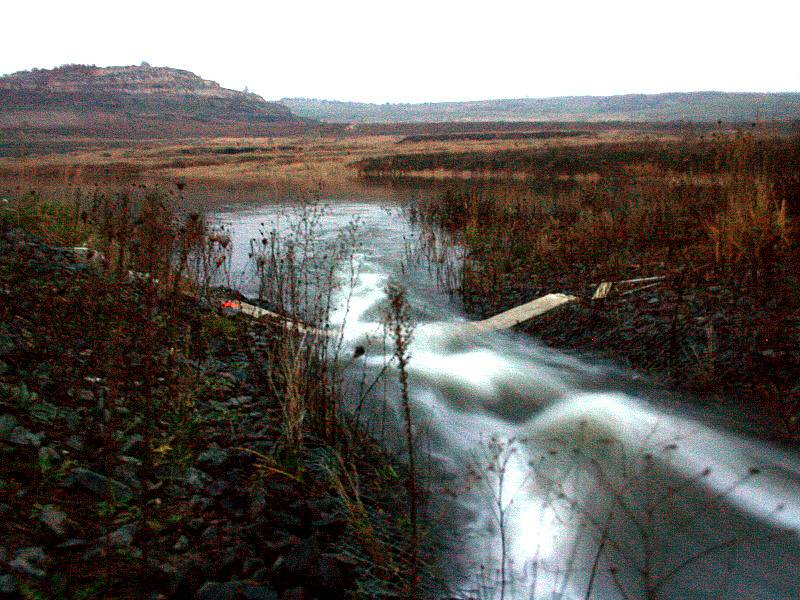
x=605 y=487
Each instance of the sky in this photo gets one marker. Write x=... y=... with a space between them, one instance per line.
x=415 y=51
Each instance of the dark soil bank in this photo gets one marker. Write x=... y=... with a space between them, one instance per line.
x=690 y=332
x=141 y=453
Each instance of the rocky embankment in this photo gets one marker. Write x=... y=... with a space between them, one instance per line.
x=691 y=331
x=173 y=481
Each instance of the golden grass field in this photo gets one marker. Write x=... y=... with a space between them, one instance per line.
x=311 y=161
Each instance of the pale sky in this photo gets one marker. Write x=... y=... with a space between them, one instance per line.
x=412 y=51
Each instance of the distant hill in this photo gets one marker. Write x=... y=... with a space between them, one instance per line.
x=129 y=102
x=690 y=106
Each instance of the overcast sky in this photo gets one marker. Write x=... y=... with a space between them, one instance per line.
x=410 y=50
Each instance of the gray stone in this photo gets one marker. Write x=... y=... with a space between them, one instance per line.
x=182 y=544
x=73 y=543
x=201 y=503
x=218 y=488
x=30 y=561
x=238 y=401
x=133 y=443
x=119 y=538
x=70 y=417
x=12 y=432
x=86 y=396
x=126 y=472
x=49 y=456
x=122 y=537
x=234 y=590
x=214 y=455
x=252 y=565
x=7 y=424
x=8 y=584
x=21 y=436
x=75 y=442
x=258 y=505
x=196 y=478
x=97 y=484
x=54 y=519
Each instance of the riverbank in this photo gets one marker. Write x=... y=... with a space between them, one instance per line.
x=713 y=222
x=720 y=343
x=145 y=455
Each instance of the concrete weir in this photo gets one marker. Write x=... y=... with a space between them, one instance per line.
x=502 y=321
x=520 y=314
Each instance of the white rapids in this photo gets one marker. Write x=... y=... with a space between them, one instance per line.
x=610 y=490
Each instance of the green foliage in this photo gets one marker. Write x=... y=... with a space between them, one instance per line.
x=94 y=589
x=18 y=395
x=216 y=327
x=59 y=222
x=29 y=592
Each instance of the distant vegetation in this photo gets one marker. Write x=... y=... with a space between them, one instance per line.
x=695 y=156
x=492 y=135
x=692 y=106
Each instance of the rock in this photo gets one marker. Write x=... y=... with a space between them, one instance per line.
x=304 y=563
x=292 y=567
x=54 y=519
x=234 y=590
x=327 y=572
x=218 y=488
x=86 y=396
x=258 y=505
x=182 y=544
x=97 y=484
x=48 y=456
x=260 y=575
x=167 y=569
x=230 y=380
x=70 y=417
x=7 y=424
x=196 y=478
x=30 y=561
x=122 y=537
x=126 y=472
x=119 y=538
x=11 y=431
x=21 y=436
x=214 y=455
x=296 y=593
x=8 y=585
x=201 y=503
x=132 y=444
x=252 y=565
x=75 y=442
x=211 y=533
x=73 y=543
x=238 y=401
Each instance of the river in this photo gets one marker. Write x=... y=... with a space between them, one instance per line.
x=611 y=489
